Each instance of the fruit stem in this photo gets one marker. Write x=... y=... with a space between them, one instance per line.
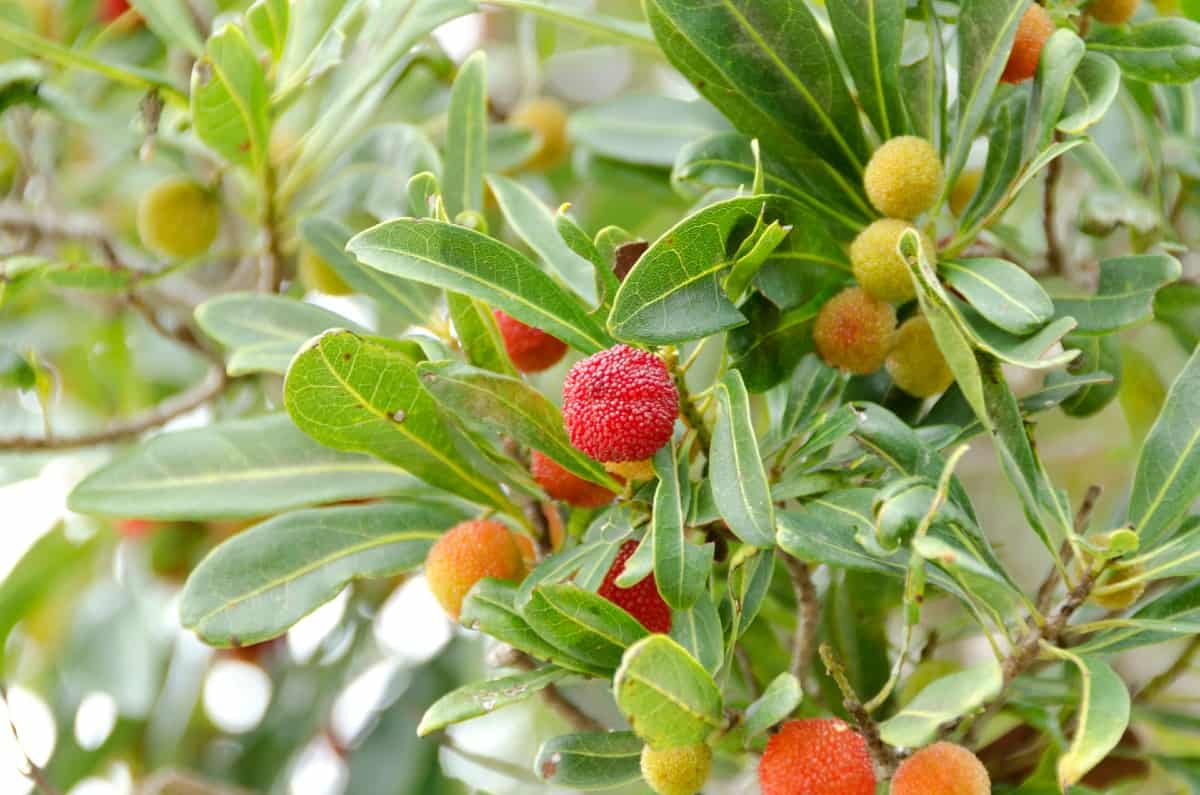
x=687 y=410
x=808 y=617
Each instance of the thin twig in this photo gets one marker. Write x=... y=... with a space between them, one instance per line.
x=808 y=616
x=1083 y=518
x=883 y=754
x=1177 y=669
x=270 y=274
x=32 y=772
x=16 y=216
x=1054 y=256
x=555 y=699
x=743 y=661
x=687 y=410
x=177 y=782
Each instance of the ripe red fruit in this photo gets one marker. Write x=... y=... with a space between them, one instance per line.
x=531 y=349
x=562 y=485
x=642 y=601
x=620 y=404
x=465 y=554
x=111 y=10
x=816 y=756
x=942 y=769
x=1033 y=30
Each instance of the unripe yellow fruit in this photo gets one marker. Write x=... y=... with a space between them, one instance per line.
x=964 y=190
x=877 y=263
x=548 y=119
x=1125 y=596
x=1112 y=12
x=853 y=330
x=916 y=362
x=904 y=177
x=677 y=771
x=178 y=218
x=317 y=274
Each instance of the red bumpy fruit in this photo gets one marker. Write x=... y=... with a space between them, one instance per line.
x=531 y=349
x=1032 y=33
x=816 y=756
x=465 y=554
x=620 y=404
x=562 y=485
x=643 y=600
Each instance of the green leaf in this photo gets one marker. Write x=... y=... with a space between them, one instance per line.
x=1167 y=480
x=490 y=608
x=1097 y=355
x=1002 y=292
x=667 y=697
x=465 y=261
x=644 y=129
x=602 y=25
x=1035 y=352
x=466 y=138
x=172 y=21
x=698 y=629
x=985 y=33
x=811 y=385
x=1006 y=151
x=87 y=277
x=672 y=294
x=508 y=405
x=1177 y=306
x=749 y=579
x=238 y=468
x=944 y=700
x=263 y=332
x=409 y=301
x=353 y=394
x=477 y=333
x=590 y=760
x=777 y=702
x=582 y=624
x=268 y=21
x=680 y=567
x=1165 y=50
x=263 y=580
x=1056 y=69
x=1094 y=86
x=1101 y=720
x=481 y=698
x=739 y=480
x=870 y=35
x=230 y=100
x=924 y=82
x=530 y=219
x=1125 y=295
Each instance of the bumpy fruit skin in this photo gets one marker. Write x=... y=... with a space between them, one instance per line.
x=1122 y=597
x=620 y=404
x=877 y=264
x=317 y=274
x=942 y=769
x=816 y=756
x=916 y=362
x=904 y=177
x=1113 y=12
x=563 y=485
x=548 y=119
x=465 y=554
x=853 y=330
x=964 y=190
x=1033 y=30
x=677 y=771
x=642 y=601
x=531 y=349
x=178 y=218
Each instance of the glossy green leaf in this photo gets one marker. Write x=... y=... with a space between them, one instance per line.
x=739 y=480
x=673 y=292
x=263 y=332
x=1164 y=50
x=768 y=348
x=481 y=698
x=1002 y=292
x=924 y=81
x=530 y=219
x=478 y=335
x=1167 y=480
x=644 y=129
x=777 y=702
x=354 y=394
x=508 y=405
x=1006 y=151
x=944 y=700
x=268 y=21
x=1094 y=86
x=869 y=35
x=465 y=261
x=1056 y=69
x=263 y=580
x=1037 y=351
x=750 y=576
x=698 y=629
x=172 y=21
x=590 y=760
x=1097 y=355
x=667 y=697
x=680 y=567
x=237 y=468
x=1101 y=720
x=230 y=100
x=466 y=138
x=602 y=25
x=1125 y=294
x=582 y=624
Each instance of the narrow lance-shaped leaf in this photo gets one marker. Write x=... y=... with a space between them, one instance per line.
x=237 y=468
x=465 y=261
x=477 y=333
x=1125 y=295
x=924 y=82
x=680 y=567
x=466 y=138
x=481 y=698
x=739 y=479
x=590 y=760
x=229 y=99
x=1056 y=68
x=354 y=394
x=262 y=581
x=1094 y=86
x=667 y=697
x=698 y=629
x=268 y=21
x=1004 y=293
x=581 y=623
x=1101 y=720
x=1164 y=50
x=870 y=34
x=172 y=21
x=942 y=701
